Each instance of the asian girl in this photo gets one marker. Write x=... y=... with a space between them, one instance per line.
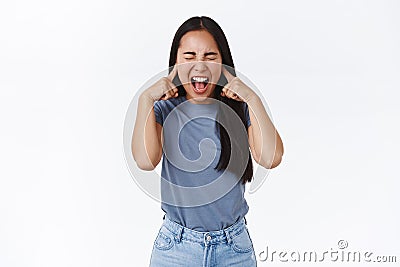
x=178 y=113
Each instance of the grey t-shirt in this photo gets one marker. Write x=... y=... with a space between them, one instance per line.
x=191 y=151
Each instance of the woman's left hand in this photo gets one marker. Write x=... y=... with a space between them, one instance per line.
x=235 y=88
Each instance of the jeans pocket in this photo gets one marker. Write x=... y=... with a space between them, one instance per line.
x=242 y=242
x=164 y=240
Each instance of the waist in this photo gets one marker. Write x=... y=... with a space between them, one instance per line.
x=207 y=238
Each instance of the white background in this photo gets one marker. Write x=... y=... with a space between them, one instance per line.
x=329 y=71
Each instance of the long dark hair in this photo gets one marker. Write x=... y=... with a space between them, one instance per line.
x=208 y=24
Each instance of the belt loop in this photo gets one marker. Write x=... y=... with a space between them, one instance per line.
x=178 y=236
x=228 y=236
x=163 y=217
x=245 y=221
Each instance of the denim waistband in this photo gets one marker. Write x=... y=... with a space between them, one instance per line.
x=207 y=238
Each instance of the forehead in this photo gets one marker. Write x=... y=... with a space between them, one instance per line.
x=198 y=41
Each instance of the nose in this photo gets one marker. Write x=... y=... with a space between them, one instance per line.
x=200 y=66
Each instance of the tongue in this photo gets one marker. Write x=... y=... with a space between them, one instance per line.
x=199 y=85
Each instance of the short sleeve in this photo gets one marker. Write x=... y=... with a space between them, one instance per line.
x=158 y=112
x=247 y=115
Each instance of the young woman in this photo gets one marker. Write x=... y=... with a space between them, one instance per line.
x=205 y=122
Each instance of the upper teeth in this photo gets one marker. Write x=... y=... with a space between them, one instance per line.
x=200 y=79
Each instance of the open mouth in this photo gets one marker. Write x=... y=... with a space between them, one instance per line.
x=199 y=84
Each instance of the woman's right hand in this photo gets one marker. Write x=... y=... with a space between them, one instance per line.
x=164 y=88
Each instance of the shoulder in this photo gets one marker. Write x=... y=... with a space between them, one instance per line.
x=172 y=100
x=162 y=108
x=169 y=103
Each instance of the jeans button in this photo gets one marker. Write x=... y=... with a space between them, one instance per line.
x=208 y=238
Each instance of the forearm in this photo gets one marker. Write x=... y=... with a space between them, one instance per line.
x=268 y=145
x=145 y=143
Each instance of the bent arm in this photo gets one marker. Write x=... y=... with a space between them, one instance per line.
x=265 y=142
x=146 y=138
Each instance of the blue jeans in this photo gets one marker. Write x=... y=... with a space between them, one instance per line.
x=176 y=245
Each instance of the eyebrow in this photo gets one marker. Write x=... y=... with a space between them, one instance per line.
x=205 y=54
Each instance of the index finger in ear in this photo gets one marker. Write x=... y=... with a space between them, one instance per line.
x=227 y=74
x=172 y=74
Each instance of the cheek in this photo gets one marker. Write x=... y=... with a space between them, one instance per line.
x=216 y=73
x=183 y=70
x=183 y=73
x=179 y=60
